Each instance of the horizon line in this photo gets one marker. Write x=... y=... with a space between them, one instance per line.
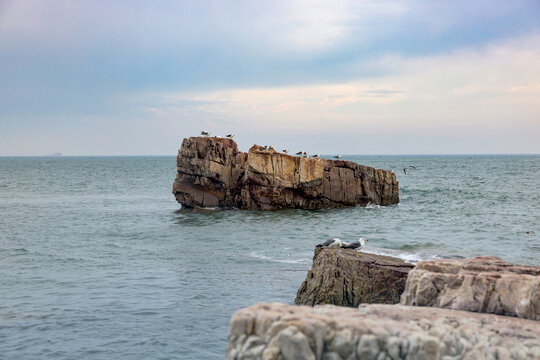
x=172 y=155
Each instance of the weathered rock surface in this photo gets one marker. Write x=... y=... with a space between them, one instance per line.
x=212 y=172
x=278 y=331
x=483 y=284
x=347 y=277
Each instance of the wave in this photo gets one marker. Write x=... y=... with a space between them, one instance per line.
x=411 y=257
x=286 y=261
x=428 y=245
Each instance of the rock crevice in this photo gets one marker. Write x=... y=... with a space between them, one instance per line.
x=212 y=172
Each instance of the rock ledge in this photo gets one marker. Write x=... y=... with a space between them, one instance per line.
x=484 y=284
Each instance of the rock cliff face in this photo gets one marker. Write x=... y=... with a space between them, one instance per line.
x=483 y=284
x=347 y=277
x=278 y=331
x=213 y=173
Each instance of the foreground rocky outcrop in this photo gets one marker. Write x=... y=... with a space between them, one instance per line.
x=278 y=331
x=347 y=277
x=484 y=284
x=212 y=172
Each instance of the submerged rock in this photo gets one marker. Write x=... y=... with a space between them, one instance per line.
x=278 y=331
x=483 y=284
x=347 y=277
x=212 y=172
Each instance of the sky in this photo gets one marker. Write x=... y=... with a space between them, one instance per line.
x=352 y=77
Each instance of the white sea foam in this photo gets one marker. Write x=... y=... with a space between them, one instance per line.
x=286 y=261
x=370 y=205
x=407 y=256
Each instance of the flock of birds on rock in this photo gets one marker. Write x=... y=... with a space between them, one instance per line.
x=300 y=153
x=335 y=243
x=267 y=148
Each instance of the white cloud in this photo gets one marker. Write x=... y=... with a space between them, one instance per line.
x=464 y=92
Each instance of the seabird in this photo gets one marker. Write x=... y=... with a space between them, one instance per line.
x=337 y=157
x=355 y=244
x=230 y=136
x=285 y=151
x=266 y=147
x=205 y=133
x=331 y=243
x=406 y=167
x=300 y=152
x=316 y=156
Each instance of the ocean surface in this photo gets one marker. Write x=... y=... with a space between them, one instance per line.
x=97 y=261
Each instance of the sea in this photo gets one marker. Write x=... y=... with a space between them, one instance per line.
x=98 y=260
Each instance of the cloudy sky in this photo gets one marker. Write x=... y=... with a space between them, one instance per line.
x=354 y=77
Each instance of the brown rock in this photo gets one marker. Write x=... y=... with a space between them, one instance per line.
x=278 y=331
x=483 y=284
x=347 y=277
x=208 y=172
x=213 y=173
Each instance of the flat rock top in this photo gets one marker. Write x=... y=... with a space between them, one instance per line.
x=478 y=265
x=354 y=255
x=340 y=316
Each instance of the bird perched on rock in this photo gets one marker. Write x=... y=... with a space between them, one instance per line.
x=230 y=136
x=331 y=243
x=337 y=157
x=300 y=153
x=316 y=156
x=266 y=147
x=355 y=244
x=205 y=133
x=285 y=151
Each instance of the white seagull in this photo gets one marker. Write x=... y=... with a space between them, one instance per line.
x=331 y=243
x=230 y=136
x=205 y=133
x=355 y=244
x=337 y=157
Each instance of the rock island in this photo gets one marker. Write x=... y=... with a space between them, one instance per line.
x=212 y=172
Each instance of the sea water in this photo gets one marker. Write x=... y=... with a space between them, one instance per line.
x=97 y=261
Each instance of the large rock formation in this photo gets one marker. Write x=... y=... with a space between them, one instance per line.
x=347 y=277
x=483 y=284
x=212 y=172
x=278 y=331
